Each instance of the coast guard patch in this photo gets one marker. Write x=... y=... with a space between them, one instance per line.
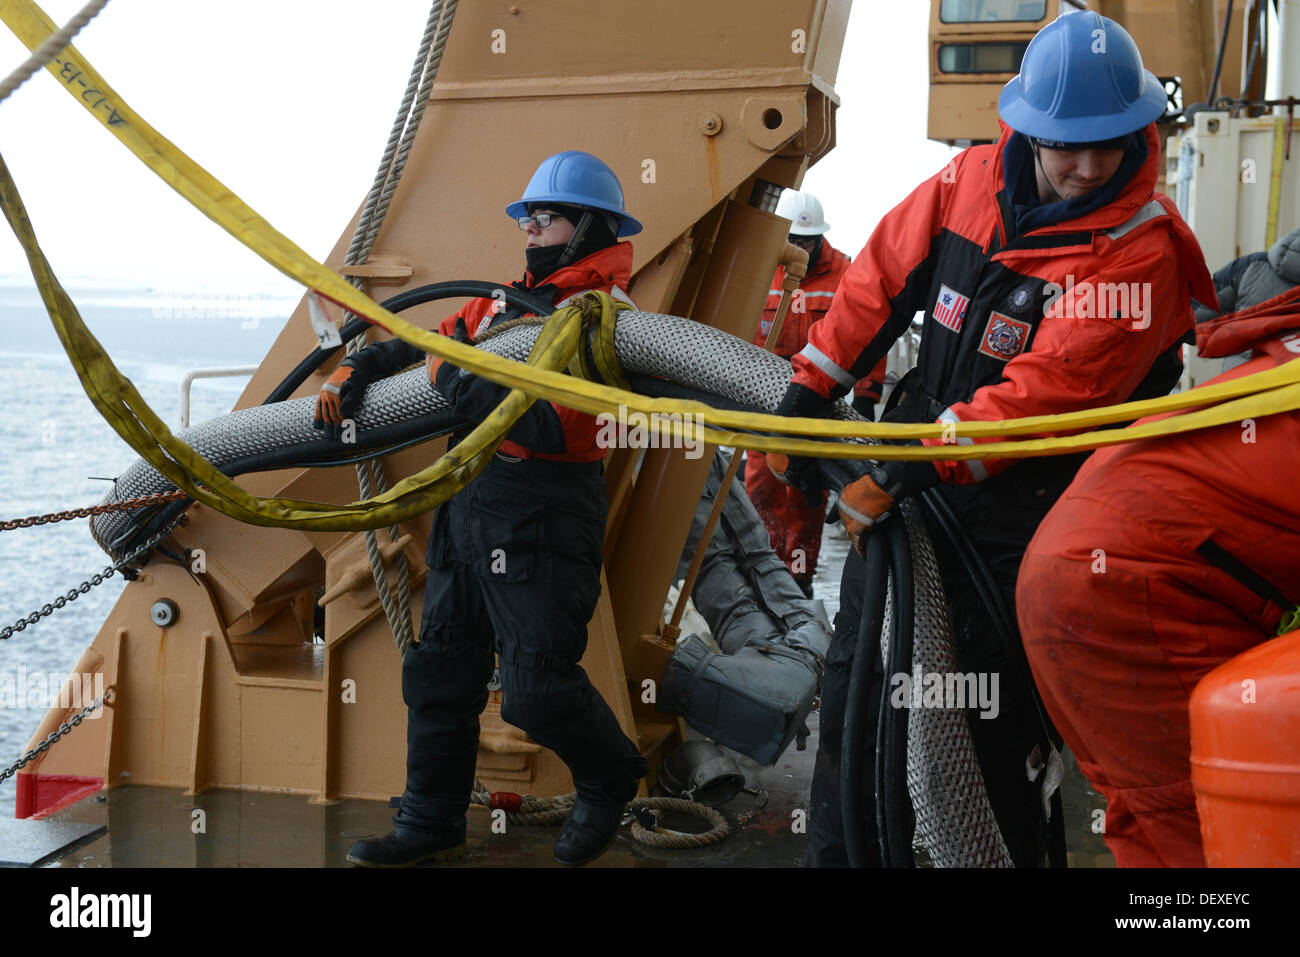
x=1004 y=338
x=950 y=308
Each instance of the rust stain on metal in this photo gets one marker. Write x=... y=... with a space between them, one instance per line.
x=714 y=167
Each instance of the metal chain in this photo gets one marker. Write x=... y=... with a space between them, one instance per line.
x=55 y=735
x=122 y=506
x=98 y=579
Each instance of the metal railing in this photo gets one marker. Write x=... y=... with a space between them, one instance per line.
x=217 y=372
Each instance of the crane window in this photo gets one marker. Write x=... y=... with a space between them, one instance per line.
x=992 y=11
x=981 y=57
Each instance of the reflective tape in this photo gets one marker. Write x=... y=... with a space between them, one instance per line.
x=823 y=362
x=977 y=467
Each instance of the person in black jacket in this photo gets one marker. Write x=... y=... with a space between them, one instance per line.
x=514 y=558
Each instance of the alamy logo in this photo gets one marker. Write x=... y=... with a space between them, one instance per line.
x=658 y=430
x=1099 y=300
x=102 y=910
x=40 y=690
x=936 y=689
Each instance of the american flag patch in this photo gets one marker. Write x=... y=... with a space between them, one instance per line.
x=950 y=309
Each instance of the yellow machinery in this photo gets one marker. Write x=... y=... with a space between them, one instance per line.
x=705 y=117
x=976 y=47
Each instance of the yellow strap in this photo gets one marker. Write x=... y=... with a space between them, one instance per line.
x=121 y=405
x=1275 y=181
x=31 y=25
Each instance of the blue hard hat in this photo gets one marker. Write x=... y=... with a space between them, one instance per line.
x=1082 y=81
x=576 y=179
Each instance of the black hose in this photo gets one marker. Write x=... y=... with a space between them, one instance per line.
x=389 y=439
x=893 y=805
x=386 y=440
x=855 y=708
x=1009 y=634
x=1218 y=62
x=406 y=300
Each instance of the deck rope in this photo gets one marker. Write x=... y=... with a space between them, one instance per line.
x=391 y=166
x=52 y=47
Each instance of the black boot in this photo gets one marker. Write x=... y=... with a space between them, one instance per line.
x=591 y=826
x=404 y=847
x=588 y=831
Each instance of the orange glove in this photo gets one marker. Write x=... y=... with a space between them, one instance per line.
x=862 y=504
x=338 y=400
x=800 y=473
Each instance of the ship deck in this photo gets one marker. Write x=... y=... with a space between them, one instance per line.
x=146 y=827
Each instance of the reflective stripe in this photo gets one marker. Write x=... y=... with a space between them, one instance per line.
x=1150 y=211
x=948 y=415
x=977 y=469
x=823 y=362
x=810 y=295
x=857 y=516
x=616 y=293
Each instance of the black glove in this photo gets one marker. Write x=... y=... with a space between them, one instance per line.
x=434 y=364
x=797 y=471
x=865 y=406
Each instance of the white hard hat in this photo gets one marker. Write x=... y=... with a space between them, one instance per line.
x=804 y=211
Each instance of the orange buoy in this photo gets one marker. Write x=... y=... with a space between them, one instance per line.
x=1245 y=725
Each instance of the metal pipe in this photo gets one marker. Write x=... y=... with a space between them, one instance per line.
x=1288 y=51
x=216 y=372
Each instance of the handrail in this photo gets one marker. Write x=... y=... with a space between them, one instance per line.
x=215 y=372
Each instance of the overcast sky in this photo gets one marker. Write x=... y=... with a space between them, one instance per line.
x=273 y=76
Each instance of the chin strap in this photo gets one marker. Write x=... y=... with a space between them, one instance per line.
x=571 y=248
x=1038 y=160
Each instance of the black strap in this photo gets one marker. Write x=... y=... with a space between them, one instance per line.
x=1228 y=563
x=910 y=394
x=534 y=660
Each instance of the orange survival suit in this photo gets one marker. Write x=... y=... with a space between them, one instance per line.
x=792 y=524
x=1162 y=560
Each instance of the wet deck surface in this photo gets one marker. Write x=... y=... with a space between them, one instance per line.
x=158 y=827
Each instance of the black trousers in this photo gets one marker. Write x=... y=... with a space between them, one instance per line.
x=514 y=567
x=1000 y=516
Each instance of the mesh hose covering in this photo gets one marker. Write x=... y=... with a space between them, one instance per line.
x=954 y=820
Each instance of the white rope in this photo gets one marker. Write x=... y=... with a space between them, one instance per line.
x=52 y=47
x=391 y=165
x=359 y=248
x=548 y=812
x=417 y=114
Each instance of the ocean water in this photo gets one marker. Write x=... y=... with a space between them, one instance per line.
x=56 y=444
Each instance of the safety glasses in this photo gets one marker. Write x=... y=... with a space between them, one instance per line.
x=541 y=220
